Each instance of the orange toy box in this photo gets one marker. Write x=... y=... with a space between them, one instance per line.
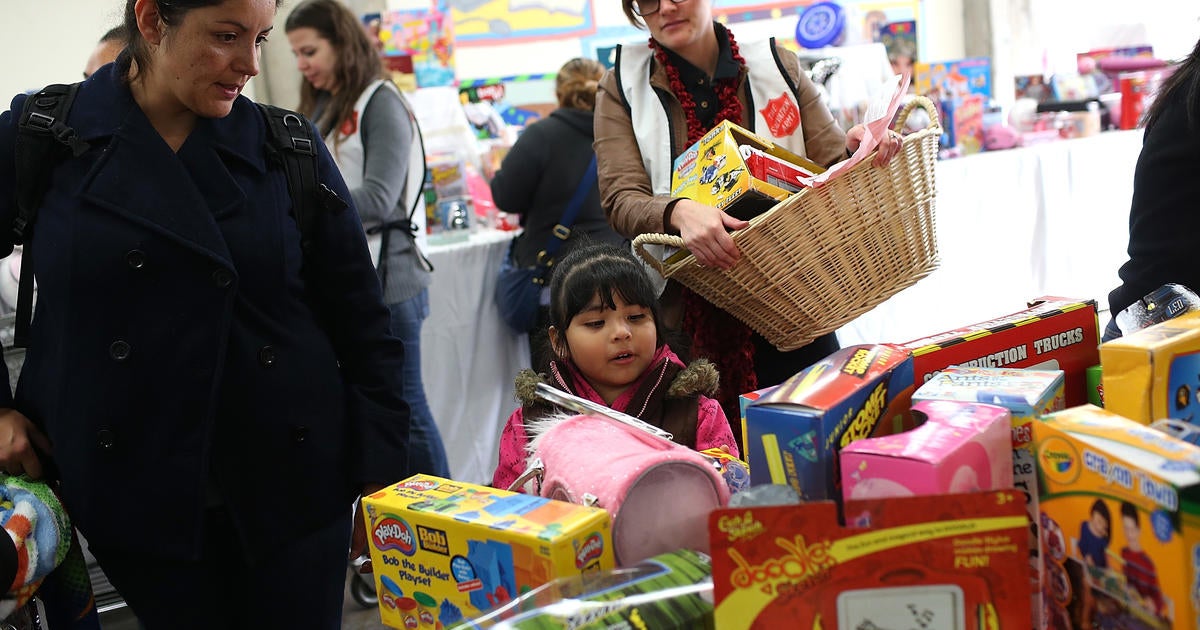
x=1154 y=373
x=794 y=432
x=930 y=563
x=1052 y=334
x=1120 y=513
x=733 y=169
x=446 y=551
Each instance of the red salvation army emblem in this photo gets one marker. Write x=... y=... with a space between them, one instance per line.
x=782 y=116
x=350 y=125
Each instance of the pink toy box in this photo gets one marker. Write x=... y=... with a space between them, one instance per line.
x=960 y=447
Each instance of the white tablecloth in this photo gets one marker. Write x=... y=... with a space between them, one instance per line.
x=1013 y=225
x=468 y=355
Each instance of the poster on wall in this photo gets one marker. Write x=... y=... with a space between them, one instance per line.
x=424 y=36
x=489 y=22
x=602 y=45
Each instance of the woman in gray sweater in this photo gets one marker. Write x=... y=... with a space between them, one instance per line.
x=376 y=143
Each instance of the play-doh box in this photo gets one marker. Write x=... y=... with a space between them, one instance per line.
x=445 y=551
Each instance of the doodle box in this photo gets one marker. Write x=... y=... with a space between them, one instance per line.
x=1154 y=373
x=794 y=432
x=1120 y=522
x=959 y=447
x=470 y=548
x=716 y=171
x=1052 y=334
x=912 y=562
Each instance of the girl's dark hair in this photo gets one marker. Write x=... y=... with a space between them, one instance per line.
x=171 y=12
x=358 y=62
x=1186 y=76
x=599 y=268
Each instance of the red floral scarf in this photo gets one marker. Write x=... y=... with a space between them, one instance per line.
x=715 y=334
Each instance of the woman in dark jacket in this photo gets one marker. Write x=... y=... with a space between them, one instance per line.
x=1163 y=224
x=215 y=397
x=545 y=166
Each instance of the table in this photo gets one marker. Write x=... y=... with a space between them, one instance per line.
x=1051 y=219
x=469 y=357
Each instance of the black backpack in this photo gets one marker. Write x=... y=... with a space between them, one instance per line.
x=44 y=139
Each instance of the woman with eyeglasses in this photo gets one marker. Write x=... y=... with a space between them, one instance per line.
x=658 y=100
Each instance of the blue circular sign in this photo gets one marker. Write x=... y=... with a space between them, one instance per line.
x=820 y=25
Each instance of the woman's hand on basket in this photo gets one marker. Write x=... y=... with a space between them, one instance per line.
x=18 y=437
x=888 y=148
x=705 y=232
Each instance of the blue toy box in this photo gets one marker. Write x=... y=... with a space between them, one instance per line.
x=793 y=434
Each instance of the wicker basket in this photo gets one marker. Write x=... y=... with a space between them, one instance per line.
x=824 y=256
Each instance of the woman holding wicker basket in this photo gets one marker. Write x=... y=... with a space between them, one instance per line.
x=661 y=98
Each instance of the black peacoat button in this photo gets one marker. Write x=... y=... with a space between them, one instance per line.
x=266 y=356
x=106 y=439
x=119 y=350
x=135 y=258
x=222 y=278
x=299 y=434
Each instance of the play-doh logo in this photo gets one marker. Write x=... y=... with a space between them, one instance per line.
x=589 y=551
x=391 y=532
x=1058 y=460
x=419 y=485
x=687 y=161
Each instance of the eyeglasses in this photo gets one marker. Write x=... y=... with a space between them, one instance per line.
x=642 y=8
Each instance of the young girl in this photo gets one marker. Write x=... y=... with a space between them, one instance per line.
x=607 y=345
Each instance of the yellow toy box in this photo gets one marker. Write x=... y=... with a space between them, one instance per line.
x=1154 y=373
x=445 y=551
x=739 y=172
x=1120 y=513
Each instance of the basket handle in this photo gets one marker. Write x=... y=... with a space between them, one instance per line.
x=923 y=103
x=655 y=239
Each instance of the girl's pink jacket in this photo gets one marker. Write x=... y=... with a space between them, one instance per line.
x=712 y=428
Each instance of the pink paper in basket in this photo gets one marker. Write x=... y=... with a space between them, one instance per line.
x=879 y=115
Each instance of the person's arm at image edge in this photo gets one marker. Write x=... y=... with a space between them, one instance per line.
x=387 y=136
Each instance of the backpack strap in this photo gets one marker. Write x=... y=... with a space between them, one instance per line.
x=291 y=139
x=43 y=139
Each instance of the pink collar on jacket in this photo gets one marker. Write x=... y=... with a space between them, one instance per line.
x=582 y=388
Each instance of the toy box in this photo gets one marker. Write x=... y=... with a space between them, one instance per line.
x=1154 y=372
x=471 y=548
x=793 y=433
x=743 y=402
x=925 y=563
x=958 y=447
x=1053 y=333
x=670 y=591
x=1095 y=386
x=713 y=171
x=960 y=88
x=1028 y=395
x=954 y=79
x=1120 y=514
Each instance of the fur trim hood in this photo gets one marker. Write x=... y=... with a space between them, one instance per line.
x=697 y=378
